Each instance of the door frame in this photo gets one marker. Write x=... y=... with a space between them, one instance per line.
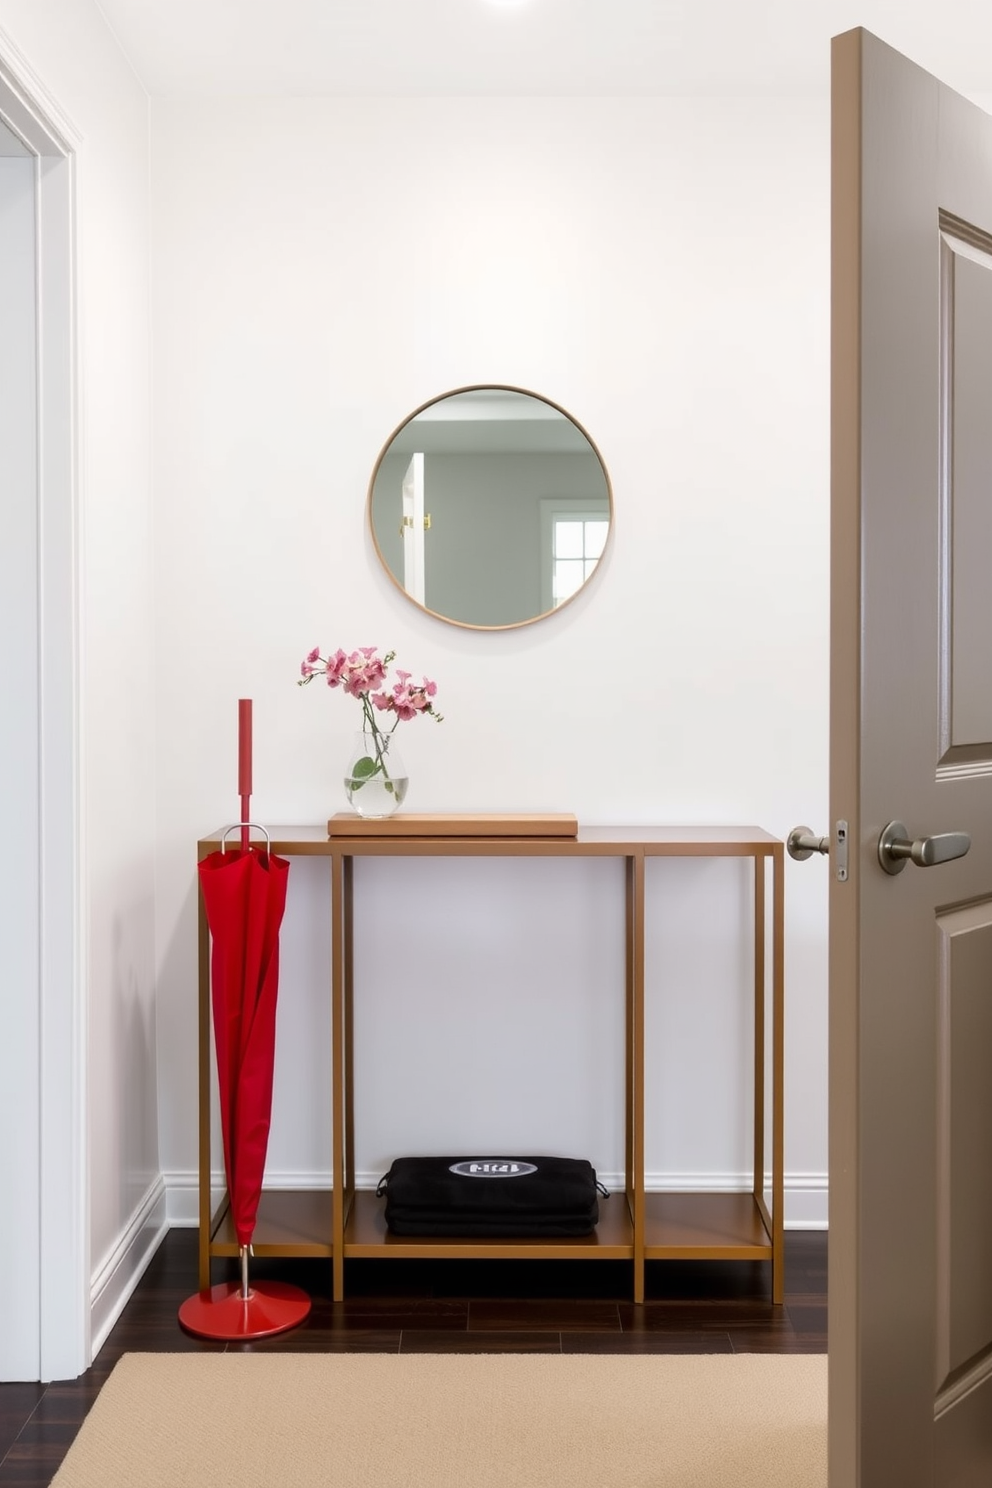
x=51 y=1020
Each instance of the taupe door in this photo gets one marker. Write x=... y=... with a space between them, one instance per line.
x=911 y=740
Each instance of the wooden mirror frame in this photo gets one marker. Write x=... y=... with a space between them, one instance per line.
x=497 y=388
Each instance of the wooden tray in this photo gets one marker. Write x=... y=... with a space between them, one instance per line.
x=456 y=824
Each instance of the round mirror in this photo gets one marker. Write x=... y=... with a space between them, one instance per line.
x=490 y=507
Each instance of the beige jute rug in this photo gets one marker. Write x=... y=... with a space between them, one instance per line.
x=455 y=1421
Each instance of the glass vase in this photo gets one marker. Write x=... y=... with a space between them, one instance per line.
x=375 y=778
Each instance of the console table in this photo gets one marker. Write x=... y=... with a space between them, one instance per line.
x=636 y=1226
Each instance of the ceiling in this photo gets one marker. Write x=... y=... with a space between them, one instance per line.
x=574 y=48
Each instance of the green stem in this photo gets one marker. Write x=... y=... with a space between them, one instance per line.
x=371 y=727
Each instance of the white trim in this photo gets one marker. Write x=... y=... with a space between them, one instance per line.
x=805 y=1193
x=64 y=1156
x=20 y=1162
x=126 y=1262
x=62 y=1342
x=806 y=1201
x=182 y=1188
x=34 y=114
x=182 y=1198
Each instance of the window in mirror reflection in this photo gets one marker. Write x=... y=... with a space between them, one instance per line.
x=464 y=502
x=578 y=547
x=573 y=537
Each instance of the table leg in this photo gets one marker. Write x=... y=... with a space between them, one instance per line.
x=340 y=960
x=634 y=886
x=778 y=1073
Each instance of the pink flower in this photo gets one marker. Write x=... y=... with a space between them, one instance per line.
x=363 y=675
x=334 y=667
x=365 y=670
x=403 y=706
x=409 y=701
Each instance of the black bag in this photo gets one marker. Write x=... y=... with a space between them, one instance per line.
x=491 y=1196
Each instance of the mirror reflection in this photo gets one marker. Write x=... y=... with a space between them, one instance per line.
x=490 y=507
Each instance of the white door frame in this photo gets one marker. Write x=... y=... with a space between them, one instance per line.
x=49 y=1018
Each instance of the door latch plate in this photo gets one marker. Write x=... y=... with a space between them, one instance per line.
x=840 y=852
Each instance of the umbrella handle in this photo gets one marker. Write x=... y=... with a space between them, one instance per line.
x=246 y=1251
x=236 y=826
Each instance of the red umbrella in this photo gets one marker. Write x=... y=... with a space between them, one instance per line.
x=244 y=895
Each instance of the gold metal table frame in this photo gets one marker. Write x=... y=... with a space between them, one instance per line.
x=349 y=1222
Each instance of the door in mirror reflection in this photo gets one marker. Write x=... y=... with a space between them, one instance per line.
x=413 y=528
x=490 y=507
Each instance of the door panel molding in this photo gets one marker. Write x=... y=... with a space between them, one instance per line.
x=964 y=1119
x=965 y=330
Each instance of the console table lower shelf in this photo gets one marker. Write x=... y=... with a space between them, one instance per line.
x=291 y=1222
x=366 y=1235
x=707 y=1227
x=677 y=1226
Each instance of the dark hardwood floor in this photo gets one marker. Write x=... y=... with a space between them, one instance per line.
x=433 y=1307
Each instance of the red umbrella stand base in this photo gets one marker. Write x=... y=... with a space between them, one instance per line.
x=222 y=1312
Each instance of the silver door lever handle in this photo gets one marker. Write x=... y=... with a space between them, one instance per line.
x=896 y=848
x=802 y=843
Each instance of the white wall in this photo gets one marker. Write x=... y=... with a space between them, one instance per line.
x=65 y=46
x=660 y=269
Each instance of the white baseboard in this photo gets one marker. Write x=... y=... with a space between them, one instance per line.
x=806 y=1201
x=805 y=1193
x=122 y=1268
x=182 y=1188
x=172 y=1201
